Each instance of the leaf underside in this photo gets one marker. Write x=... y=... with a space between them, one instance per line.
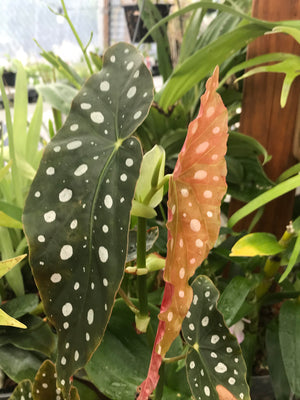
x=214 y=364
x=77 y=212
x=195 y=193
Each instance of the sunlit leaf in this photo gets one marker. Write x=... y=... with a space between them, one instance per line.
x=195 y=193
x=77 y=213
x=289 y=67
x=215 y=367
x=256 y=244
x=5 y=319
x=7 y=265
x=9 y=222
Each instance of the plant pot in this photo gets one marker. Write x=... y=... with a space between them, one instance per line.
x=132 y=13
x=9 y=78
x=261 y=388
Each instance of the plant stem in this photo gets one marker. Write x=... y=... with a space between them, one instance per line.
x=83 y=49
x=127 y=301
x=160 y=386
x=141 y=263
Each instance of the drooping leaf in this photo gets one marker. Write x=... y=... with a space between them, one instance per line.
x=186 y=75
x=214 y=364
x=195 y=193
x=256 y=244
x=289 y=67
x=77 y=213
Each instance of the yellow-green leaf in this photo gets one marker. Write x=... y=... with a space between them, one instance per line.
x=5 y=319
x=9 y=222
x=4 y=170
x=256 y=244
x=7 y=265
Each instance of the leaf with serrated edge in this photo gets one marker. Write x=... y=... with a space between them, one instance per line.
x=195 y=193
x=215 y=367
x=77 y=212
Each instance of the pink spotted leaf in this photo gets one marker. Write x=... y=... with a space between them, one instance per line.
x=195 y=193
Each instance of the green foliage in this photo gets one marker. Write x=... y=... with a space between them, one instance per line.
x=289 y=323
x=214 y=363
x=88 y=189
x=134 y=352
x=87 y=178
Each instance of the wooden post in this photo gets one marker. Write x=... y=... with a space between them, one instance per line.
x=106 y=23
x=264 y=119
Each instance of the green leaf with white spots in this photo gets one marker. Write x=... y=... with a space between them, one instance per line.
x=215 y=367
x=44 y=386
x=77 y=213
x=23 y=391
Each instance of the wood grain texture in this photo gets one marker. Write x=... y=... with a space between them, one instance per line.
x=264 y=119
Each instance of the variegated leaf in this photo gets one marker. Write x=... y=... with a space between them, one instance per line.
x=195 y=193
x=77 y=212
x=215 y=366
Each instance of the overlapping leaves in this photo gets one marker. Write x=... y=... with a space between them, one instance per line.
x=77 y=212
x=195 y=193
x=215 y=367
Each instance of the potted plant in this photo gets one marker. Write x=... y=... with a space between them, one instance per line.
x=98 y=204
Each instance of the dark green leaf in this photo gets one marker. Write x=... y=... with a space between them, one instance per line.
x=150 y=16
x=18 y=364
x=44 y=386
x=23 y=391
x=289 y=338
x=37 y=337
x=119 y=380
x=77 y=213
x=277 y=371
x=21 y=305
x=233 y=297
x=214 y=364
